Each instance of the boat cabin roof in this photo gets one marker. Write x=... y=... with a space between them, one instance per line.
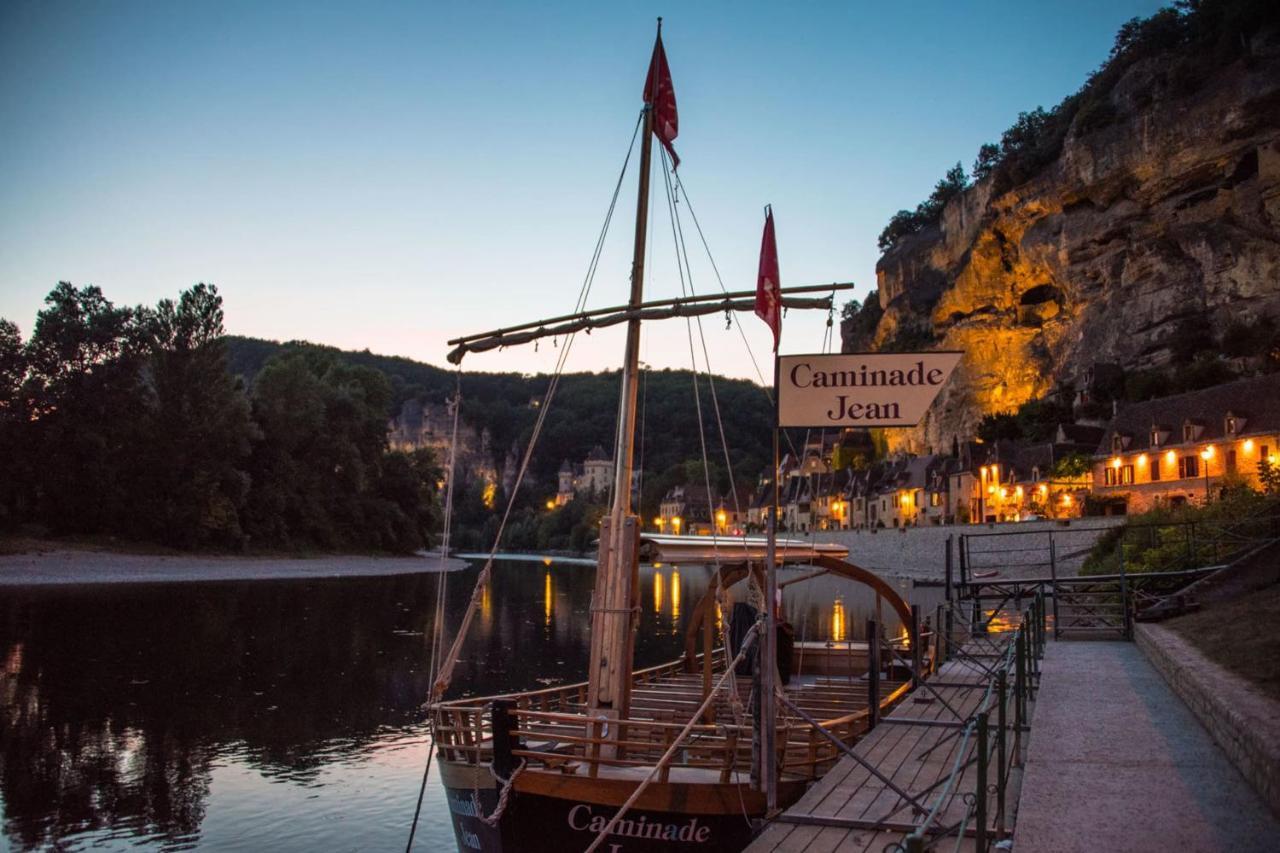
x=732 y=549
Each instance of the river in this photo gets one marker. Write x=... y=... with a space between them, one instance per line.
x=286 y=714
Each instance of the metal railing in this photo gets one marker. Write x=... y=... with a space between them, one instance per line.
x=1012 y=679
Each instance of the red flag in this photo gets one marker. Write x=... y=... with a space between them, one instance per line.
x=769 y=283
x=660 y=95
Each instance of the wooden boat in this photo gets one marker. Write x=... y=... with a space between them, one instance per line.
x=677 y=747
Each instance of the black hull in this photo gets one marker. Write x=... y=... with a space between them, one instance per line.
x=533 y=822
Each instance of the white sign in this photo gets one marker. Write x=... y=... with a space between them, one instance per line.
x=867 y=390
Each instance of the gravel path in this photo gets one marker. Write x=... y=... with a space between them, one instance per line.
x=87 y=567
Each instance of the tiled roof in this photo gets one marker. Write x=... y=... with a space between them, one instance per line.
x=1255 y=402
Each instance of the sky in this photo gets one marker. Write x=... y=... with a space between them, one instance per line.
x=388 y=176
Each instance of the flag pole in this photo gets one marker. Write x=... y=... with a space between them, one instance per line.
x=769 y=641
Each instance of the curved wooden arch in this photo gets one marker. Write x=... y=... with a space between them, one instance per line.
x=730 y=575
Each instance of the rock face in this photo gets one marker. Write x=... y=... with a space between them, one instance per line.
x=1169 y=214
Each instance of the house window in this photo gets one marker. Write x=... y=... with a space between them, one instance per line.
x=1035 y=475
x=1188 y=432
x=895 y=499
x=1122 y=476
x=1188 y=466
x=1155 y=437
x=1231 y=462
x=1231 y=425
x=1155 y=468
x=935 y=499
x=1116 y=444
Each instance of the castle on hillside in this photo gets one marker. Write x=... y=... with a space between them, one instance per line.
x=592 y=478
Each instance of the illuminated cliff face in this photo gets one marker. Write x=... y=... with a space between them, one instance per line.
x=1171 y=213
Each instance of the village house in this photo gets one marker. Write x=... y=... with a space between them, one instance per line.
x=1187 y=447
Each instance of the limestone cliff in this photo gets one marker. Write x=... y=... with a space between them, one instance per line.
x=1170 y=212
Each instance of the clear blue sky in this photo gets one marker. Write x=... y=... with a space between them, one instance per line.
x=389 y=175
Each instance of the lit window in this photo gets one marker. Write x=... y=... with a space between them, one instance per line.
x=1188 y=466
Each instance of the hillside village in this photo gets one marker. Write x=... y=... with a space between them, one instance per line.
x=1182 y=449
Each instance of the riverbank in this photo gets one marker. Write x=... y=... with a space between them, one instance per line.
x=57 y=566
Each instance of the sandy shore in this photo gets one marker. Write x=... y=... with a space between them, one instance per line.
x=86 y=567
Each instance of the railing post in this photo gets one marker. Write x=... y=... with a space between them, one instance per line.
x=980 y=806
x=1002 y=689
x=947 y=566
x=917 y=651
x=939 y=639
x=976 y=625
x=873 y=674
x=1124 y=603
x=1020 y=674
x=963 y=552
x=503 y=742
x=1053 y=579
x=951 y=627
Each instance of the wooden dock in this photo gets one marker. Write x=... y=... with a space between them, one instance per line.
x=926 y=750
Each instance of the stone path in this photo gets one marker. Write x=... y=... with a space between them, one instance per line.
x=1117 y=762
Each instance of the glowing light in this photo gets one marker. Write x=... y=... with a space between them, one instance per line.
x=1248 y=445
x=1004 y=493
x=657 y=522
x=546 y=561
x=1066 y=500
x=838 y=621
x=991 y=490
x=675 y=524
x=657 y=565
x=1115 y=463
x=906 y=499
x=1171 y=457
x=657 y=593
x=1044 y=490
x=548 y=596
x=1142 y=460
x=486 y=604
x=675 y=597
x=551 y=504
x=721 y=518
x=489 y=495
x=1207 y=453
x=1018 y=491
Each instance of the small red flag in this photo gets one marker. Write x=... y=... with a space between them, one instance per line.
x=769 y=283
x=660 y=95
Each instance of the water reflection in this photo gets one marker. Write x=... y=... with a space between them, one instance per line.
x=281 y=714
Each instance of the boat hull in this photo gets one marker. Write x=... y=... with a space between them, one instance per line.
x=562 y=813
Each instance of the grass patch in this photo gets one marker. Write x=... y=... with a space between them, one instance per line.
x=1239 y=635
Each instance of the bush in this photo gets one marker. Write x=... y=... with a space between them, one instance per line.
x=1162 y=539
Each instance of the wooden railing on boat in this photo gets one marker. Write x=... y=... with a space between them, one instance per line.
x=551 y=731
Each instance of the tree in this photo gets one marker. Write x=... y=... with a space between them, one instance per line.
x=87 y=405
x=199 y=431
x=987 y=161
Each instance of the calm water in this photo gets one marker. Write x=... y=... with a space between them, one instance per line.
x=285 y=715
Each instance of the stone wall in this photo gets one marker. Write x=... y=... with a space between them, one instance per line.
x=1019 y=550
x=1244 y=722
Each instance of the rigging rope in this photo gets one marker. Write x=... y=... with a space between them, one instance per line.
x=441 y=683
x=437 y=632
x=676 y=742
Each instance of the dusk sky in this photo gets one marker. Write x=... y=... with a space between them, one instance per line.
x=387 y=175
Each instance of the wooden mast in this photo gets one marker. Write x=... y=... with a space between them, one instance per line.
x=613 y=605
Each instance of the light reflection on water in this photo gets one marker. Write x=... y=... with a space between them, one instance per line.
x=285 y=715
